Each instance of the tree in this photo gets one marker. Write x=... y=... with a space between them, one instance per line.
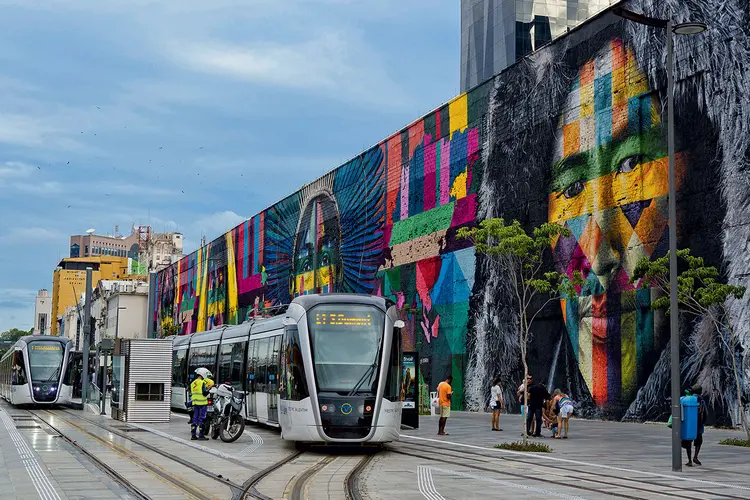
x=169 y=329
x=521 y=253
x=699 y=292
x=14 y=334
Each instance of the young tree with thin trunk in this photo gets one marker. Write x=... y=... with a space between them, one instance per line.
x=701 y=293
x=521 y=253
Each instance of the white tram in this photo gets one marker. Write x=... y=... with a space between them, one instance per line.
x=326 y=370
x=31 y=372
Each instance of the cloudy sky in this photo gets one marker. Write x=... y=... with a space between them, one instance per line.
x=193 y=115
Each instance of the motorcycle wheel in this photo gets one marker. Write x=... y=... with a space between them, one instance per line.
x=232 y=428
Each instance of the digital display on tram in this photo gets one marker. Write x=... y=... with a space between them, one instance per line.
x=343 y=319
x=49 y=347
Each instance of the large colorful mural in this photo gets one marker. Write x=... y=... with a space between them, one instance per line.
x=575 y=135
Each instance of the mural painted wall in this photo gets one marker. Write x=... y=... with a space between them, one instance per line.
x=574 y=134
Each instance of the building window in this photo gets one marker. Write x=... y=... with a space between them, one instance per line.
x=149 y=392
x=75 y=250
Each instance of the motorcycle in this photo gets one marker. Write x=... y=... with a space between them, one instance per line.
x=224 y=413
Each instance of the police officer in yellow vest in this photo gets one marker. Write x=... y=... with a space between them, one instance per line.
x=198 y=396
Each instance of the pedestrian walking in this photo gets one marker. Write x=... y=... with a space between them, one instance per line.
x=496 y=403
x=538 y=395
x=696 y=391
x=445 y=393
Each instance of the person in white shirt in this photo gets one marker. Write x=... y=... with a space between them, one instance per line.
x=496 y=403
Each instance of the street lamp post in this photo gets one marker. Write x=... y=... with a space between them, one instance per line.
x=674 y=325
x=104 y=367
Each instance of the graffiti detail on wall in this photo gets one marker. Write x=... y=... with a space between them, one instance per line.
x=575 y=135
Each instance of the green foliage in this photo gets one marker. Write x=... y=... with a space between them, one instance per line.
x=698 y=287
x=736 y=442
x=14 y=334
x=169 y=329
x=521 y=446
x=523 y=252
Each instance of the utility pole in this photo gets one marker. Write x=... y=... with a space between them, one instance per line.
x=86 y=337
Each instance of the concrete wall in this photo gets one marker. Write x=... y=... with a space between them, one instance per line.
x=573 y=135
x=132 y=319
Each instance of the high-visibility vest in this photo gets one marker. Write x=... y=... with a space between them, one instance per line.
x=196 y=392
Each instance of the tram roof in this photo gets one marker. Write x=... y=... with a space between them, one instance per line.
x=309 y=301
x=45 y=338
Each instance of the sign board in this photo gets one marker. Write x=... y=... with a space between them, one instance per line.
x=409 y=393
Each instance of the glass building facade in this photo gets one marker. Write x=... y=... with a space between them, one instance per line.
x=496 y=33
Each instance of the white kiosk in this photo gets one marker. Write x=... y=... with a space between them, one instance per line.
x=142 y=380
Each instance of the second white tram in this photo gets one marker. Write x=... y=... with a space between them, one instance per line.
x=32 y=371
x=326 y=370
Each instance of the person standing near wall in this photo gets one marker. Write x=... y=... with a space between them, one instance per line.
x=445 y=393
x=496 y=403
x=537 y=396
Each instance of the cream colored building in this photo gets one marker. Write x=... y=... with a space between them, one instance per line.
x=162 y=250
x=127 y=309
x=43 y=313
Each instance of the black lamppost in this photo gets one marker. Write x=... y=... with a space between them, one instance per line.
x=674 y=325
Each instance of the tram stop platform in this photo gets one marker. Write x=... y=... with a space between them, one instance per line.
x=64 y=453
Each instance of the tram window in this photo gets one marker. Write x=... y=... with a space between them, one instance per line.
x=202 y=357
x=179 y=366
x=393 y=384
x=225 y=364
x=252 y=364
x=294 y=383
x=45 y=361
x=18 y=376
x=230 y=364
x=261 y=373
x=273 y=362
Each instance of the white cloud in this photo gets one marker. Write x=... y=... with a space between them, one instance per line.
x=216 y=223
x=336 y=64
x=34 y=234
x=15 y=169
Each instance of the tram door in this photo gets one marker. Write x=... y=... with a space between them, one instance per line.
x=273 y=378
x=261 y=375
x=252 y=362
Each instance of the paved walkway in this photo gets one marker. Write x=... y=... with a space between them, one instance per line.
x=611 y=458
x=600 y=460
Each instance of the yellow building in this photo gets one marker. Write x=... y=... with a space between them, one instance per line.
x=69 y=281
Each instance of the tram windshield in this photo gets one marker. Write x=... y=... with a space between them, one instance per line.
x=346 y=341
x=45 y=361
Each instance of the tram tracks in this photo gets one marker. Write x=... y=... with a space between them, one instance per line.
x=159 y=472
x=600 y=483
x=298 y=484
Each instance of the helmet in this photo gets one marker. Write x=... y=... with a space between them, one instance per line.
x=203 y=372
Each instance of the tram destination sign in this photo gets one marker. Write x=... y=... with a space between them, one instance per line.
x=343 y=319
x=48 y=347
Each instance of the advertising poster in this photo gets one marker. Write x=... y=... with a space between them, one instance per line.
x=409 y=381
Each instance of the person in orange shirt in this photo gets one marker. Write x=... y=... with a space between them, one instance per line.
x=445 y=392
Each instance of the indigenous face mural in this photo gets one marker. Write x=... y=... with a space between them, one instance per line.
x=574 y=135
x=609 y=187
x=317 y=248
